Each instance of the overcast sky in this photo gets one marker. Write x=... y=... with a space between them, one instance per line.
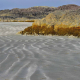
x=10 y=4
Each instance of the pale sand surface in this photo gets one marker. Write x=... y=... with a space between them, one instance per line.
x=9 y=28
x=38 y=57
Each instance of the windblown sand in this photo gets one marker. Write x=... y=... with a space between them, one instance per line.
x=37 y=57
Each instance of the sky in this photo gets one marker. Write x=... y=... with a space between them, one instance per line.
x=10 y=4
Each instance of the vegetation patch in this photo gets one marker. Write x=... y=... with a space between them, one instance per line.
x=29 y=20
x=75 y=31
x=18 y=20
x=43 y=30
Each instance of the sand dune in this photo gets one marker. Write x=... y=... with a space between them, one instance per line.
x=38 y=57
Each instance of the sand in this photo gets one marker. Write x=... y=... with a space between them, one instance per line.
x=37 y=57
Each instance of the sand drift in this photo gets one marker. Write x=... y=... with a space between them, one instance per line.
x=37 y=57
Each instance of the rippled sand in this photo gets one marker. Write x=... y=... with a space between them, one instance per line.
x=38 y=57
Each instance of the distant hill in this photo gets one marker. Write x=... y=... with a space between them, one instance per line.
x=37 y=12
x=29 y=13
x=68 y=7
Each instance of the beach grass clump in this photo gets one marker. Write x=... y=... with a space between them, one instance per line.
x=43 y=30
x=39 y=30
x=75 y=31
x=14 y=21
x=29 y=20
x=62 y=31
x=21 y=21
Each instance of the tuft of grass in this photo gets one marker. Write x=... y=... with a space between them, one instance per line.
x=29 y=20
x=75 y=31
x=20 y=21
x=14 y=21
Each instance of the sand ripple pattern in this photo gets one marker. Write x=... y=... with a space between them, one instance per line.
x=39 y=57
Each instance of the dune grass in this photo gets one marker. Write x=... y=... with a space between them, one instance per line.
x=43 y=30
x=75 y=31
x=22 y=21
x=18 y=20
x=29 y=20
x=40 y=30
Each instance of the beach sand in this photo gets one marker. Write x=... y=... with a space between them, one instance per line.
x=25 y=57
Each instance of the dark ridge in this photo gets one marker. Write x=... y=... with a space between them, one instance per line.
x=68 y=7
x=30 y=13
